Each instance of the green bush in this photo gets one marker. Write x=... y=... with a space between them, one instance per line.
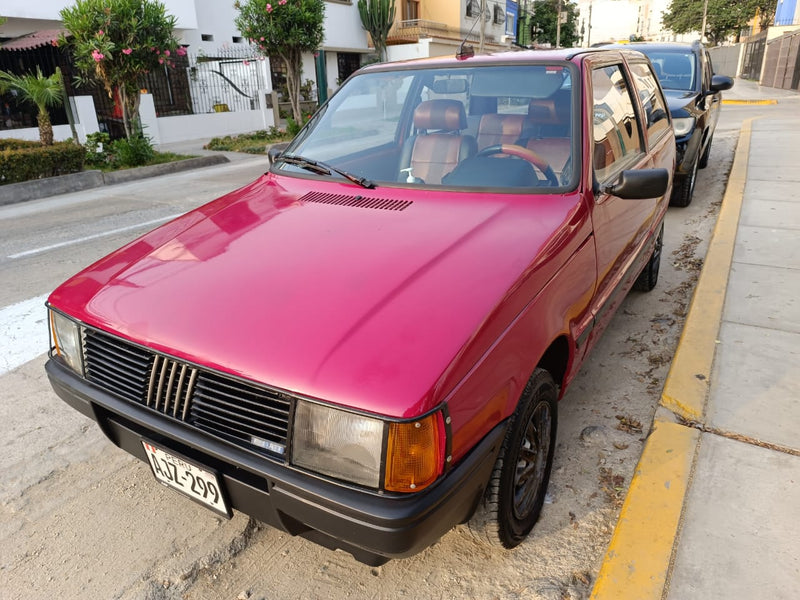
x=98 y=149
x=22 y=160
x=252 y=143
x=134 y=152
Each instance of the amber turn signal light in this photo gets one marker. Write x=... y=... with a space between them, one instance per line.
x=415 y=454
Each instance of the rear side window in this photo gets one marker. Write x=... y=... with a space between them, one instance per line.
x=655 y=109
x=617 y=142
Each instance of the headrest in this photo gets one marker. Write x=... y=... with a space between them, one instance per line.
x=440 y=114
x=543 y=111
x=505 y=125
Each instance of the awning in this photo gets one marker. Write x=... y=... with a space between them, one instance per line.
x=37 y=39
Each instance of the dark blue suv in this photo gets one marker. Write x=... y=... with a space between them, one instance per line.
x=694 y=97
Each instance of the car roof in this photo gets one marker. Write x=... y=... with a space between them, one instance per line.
x=663 y=46
x=553 y=55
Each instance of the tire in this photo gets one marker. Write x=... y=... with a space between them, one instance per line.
x=515 y=494
x=684 y=189
x=648 y=278
x=706 y=154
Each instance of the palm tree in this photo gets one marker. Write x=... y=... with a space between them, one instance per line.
x=42 y=91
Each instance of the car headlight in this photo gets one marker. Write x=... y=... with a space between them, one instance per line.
x=683 y=126
x=350 y=447
x=338 y=443
x=65 y=337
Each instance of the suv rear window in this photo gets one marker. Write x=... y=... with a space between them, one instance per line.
x=675 y=70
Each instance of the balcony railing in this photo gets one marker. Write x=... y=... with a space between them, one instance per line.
x=410 y=32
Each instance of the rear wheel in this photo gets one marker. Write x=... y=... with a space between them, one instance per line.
x=648 y=278
x=684 y=187
x=515 y=494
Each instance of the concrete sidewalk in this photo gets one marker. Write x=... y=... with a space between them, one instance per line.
x=713 y=510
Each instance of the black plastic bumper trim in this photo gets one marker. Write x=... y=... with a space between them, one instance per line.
x=373 y=527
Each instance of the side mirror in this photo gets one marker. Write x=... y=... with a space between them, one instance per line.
x=720 y=83
x=275 y=151
x=640 y=184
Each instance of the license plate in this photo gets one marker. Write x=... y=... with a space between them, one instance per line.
x=188 y=478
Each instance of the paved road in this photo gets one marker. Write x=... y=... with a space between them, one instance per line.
x=80 y=519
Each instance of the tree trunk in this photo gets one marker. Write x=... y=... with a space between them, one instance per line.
x=130 y=110
x=294 y=68
x=45 y=127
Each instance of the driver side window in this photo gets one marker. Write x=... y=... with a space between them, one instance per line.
x=617 y=140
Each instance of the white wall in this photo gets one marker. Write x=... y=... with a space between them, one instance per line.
x=192 y=127
x=409 y=51
x=343 y=28
x=215 y=18
x=60 y=133
x=184 y=10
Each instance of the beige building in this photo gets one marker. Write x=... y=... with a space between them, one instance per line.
x=437 y=27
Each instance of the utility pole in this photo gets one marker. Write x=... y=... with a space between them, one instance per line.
x=483 y=26
x=589 y=29
x=558 y=23
x=705 y=12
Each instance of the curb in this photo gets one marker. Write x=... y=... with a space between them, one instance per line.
x=85 y=180
x=639 y=556
x=766 y=101
x=686 y=387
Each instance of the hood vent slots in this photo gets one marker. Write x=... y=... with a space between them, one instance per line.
x=356 y=201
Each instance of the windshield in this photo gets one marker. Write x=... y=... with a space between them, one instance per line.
x=493 y=126
x=675 y=70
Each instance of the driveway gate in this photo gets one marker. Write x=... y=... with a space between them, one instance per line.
x=754 y=56
x=782 y=66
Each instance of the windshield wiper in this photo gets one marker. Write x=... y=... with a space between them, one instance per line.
x=321 y=168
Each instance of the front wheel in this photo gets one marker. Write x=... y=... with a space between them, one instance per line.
x=684 y=187
x=706 y=154
x=648 y=278
x=515 y=494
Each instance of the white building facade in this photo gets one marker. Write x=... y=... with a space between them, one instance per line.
x=230 y=84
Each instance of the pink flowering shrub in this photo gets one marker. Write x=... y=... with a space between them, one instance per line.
x=116 y=42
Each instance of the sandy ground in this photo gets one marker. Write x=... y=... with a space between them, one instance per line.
x=81 y=519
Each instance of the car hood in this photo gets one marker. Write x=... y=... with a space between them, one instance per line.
x=678 y=99
x=332 y=291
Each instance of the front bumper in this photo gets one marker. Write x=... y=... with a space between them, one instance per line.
x=373 y=527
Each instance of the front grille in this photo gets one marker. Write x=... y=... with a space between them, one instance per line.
x=237 y=411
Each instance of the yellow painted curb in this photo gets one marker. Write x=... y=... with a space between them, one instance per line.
x=686 y=387
x=637 y=562
x=770 y=101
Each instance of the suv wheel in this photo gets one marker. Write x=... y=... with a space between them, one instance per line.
x=648 y=278
x=684 y=188
x=515 y=494
x=704 y=158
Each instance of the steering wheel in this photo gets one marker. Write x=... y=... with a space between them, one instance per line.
x=525 y=154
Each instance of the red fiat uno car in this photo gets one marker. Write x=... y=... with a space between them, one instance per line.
x=366 y=345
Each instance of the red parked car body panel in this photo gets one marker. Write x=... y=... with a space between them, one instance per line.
x=300 y=293
x=445 y=306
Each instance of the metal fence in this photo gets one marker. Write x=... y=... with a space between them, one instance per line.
x=227 y=81
x=16 y=114
x=782 y=63
x=754 y=56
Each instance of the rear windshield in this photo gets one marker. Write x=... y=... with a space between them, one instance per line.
x=675 y=70
x=498 y=126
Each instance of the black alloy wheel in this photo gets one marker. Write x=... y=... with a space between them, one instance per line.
x=515 y=495
x=684 y=188
x=648 y=278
